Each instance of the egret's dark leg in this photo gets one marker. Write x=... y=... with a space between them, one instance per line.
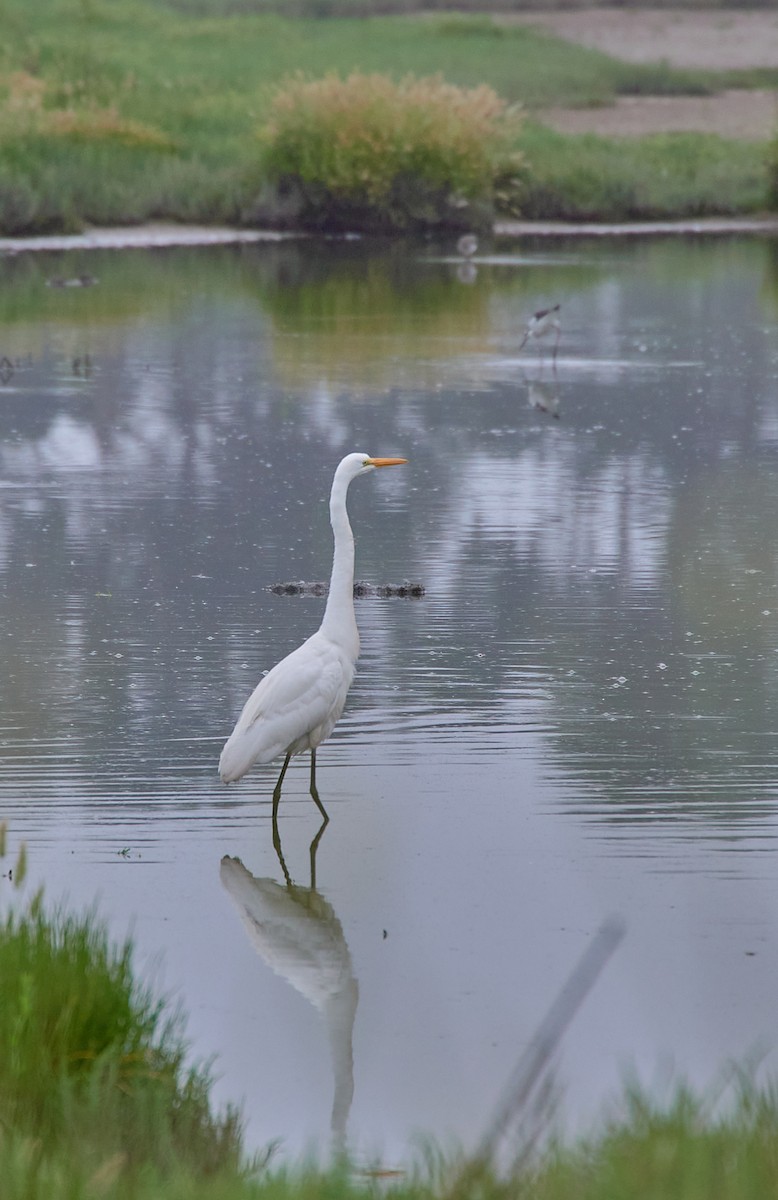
x=556 y=344
x=315 y=791
x=277 y=788
x=314 y=848
x=279 y=851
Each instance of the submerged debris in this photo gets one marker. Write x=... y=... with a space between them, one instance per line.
x=58 y=281
x=301 y=588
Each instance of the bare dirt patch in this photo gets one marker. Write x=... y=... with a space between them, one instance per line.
x=743 y=115
x=718 y=40
x=715 y=40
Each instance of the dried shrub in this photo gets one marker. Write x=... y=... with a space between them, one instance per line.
x=27 y=110
x=105 y=125
x=372 y=152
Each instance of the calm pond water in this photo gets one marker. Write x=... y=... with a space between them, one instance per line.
x=578 y=719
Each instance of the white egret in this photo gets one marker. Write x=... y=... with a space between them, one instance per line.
x=541 y=324
x=296 y=705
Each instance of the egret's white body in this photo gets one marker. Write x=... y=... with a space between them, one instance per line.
x=296 y=705
x=542 y=323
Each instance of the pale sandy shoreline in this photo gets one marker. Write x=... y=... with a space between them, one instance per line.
x=141 y=237
x=160 y=236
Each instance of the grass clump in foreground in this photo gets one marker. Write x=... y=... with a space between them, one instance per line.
x=94 y=1083
x=380 y=155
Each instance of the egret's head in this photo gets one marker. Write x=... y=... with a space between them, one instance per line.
x=358 y=464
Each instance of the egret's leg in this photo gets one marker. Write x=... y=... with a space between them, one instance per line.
x=279 y=851
x=315 y=790
x=314 y=848
x=277 y=788
x=556 y=343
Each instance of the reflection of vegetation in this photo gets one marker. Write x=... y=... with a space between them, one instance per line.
x=725 y=551
x=352 y=308
x=771 y=271
x=363 y=317
x=359 y=323
x=129 y=284
x=678 y=689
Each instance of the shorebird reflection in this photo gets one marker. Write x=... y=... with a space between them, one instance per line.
x=296 y=932
x=544 y=397
x=467 y=272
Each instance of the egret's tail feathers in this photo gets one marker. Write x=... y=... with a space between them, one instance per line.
x=235 y=760
x=244 y=748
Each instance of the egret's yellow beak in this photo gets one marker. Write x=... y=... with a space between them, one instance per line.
x=385 y=462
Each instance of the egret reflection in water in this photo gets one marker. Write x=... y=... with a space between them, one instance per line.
x=297 y=933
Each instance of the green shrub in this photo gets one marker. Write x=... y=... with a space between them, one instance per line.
x=368 y=152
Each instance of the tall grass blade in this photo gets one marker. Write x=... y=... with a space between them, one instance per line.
x=531 y=1069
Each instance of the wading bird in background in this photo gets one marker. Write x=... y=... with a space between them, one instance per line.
x=540 y=325
x=295 y=707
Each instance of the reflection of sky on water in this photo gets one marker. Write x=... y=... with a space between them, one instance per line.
x=583 y=702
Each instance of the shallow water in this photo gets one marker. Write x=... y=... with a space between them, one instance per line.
x=577 y=719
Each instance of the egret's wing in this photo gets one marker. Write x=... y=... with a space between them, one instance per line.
x=305 y=683
x=305 y=690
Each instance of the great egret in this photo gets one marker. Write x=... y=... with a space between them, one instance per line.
x=295 y=707
x=541 y=324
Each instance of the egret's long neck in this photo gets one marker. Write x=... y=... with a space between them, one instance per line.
x=339 y=615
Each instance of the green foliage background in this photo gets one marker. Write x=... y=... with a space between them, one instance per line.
x=125 y=112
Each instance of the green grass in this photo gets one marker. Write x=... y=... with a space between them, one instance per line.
x=94 y=1071
x=115 y=112
x=660 y=177
x=91 y=1063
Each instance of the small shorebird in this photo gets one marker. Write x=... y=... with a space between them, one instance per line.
x=540 y=325
x=467 y=245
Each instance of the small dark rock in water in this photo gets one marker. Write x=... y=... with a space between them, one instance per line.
x=301 y=588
